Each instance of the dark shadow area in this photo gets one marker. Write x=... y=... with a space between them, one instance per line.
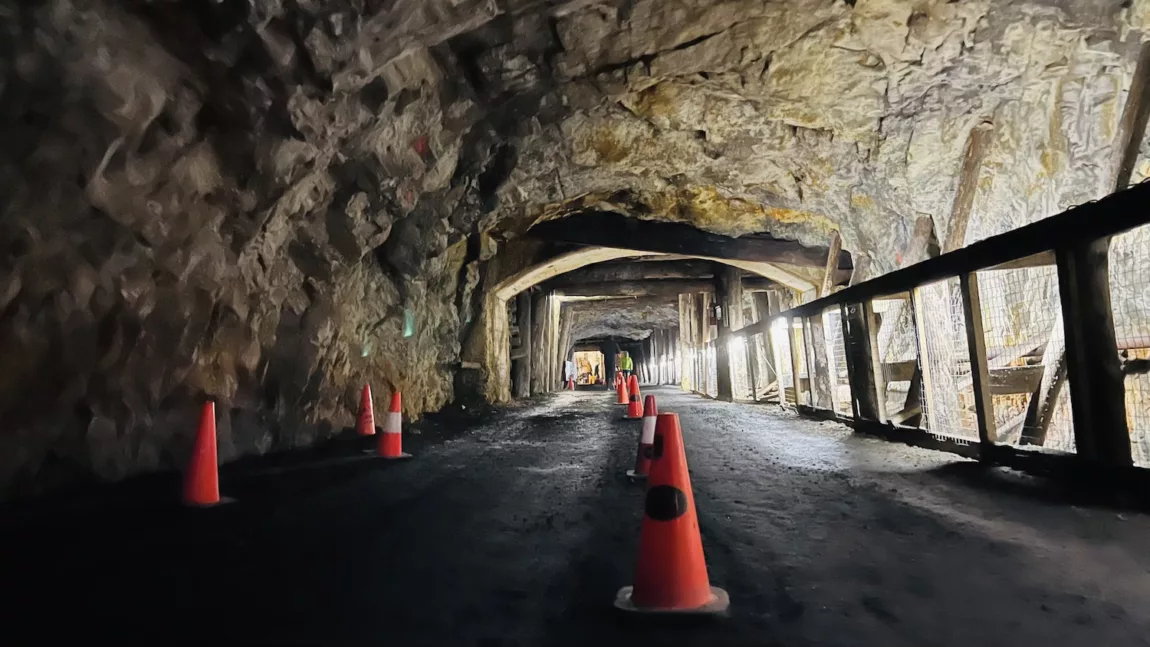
x=1062 y=489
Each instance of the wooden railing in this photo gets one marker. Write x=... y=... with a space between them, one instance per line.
x=1069 y=251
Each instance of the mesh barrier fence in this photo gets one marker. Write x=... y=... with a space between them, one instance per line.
x=897 y=350
x=836 y=360
x=1026 y=357
x=946 y=379
x=781 y=341
x=1130 y=301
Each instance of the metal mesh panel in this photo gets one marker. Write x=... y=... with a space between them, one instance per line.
x=1026 y=357
x=897 y=349
x=799 y=357
x=1130 y=300
x=712 y=369
x=766 y=377
x=740 y=373
x=836 y=360
x=780 y=339
x=949 y=406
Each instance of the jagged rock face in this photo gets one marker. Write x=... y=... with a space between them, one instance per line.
x=805 y=116
x=629 y=318
x=251 y=201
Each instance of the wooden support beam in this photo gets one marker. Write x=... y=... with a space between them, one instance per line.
x=911 y=413
x=607 y=229
x=538 y=339
x=1040 y=413
x=1132 y=127
x=1035 y=260
x=976 y=146
x=820 y=371
x=976 y=347
x=863 y=365
x=522 y=364
x=665 y=288
x=923 y=244
x=633 y=270
x=796 y=350
x=832 y=265
x=729 y=294
x=651 y=288
x=899 y=371
x=1097 y=390
x=1015 y=379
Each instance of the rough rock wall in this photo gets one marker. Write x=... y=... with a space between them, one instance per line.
x=191 y=209
x=805 y=116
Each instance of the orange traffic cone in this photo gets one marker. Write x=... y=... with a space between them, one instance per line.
x=391 y=440
x=671 y=576
x=365 y=423
x=570 y=385
x=646 y=438
x=634 y=409
x=202 y=478
x=620 y=392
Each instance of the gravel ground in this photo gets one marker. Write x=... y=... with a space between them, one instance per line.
x=519 y=528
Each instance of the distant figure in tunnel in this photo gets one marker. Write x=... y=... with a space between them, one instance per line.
x=626 y=365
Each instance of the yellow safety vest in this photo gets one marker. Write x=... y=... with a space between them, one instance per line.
x=628 y=364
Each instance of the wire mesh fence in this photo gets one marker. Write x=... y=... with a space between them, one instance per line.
x=766 y=373
x=712 y=370
x=836 y=361
x=1026 y=355
x=896 y=342
x=741 y=388
x=780 y=338
x=946 y=376
x=798 y=357
x=1130 y=302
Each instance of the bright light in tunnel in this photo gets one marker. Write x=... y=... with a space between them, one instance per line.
x=779 y=333
x=735 y=345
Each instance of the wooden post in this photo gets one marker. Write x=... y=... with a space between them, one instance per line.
x=795 y=350
x=1097 y=390
x=980 y=376
x=976 y=147
x=832 y=267
x=865 y=374
x=523 y=365
x=1132 y=127
x=751 y=368
x=1041 y=411
x=848 y=358
x=729 y=294
x=820 y=372
x=538 y=336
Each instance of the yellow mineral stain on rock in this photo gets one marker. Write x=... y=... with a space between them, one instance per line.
x=657 y=101
x=862 y=201
x=608 y=147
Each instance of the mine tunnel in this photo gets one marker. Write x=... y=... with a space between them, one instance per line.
x=568 y=322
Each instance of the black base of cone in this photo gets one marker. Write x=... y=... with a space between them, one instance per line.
x=719 y=604
x=224 y=500
x=401 y=457
x=636 y=477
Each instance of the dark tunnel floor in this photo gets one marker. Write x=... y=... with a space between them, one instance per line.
x=519 y=532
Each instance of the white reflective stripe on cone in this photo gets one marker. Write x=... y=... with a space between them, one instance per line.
x=394 y=423
x=648 y=436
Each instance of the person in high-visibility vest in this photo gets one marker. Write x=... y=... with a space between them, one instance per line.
x=626 y=365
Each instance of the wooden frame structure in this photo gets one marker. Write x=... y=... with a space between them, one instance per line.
x=1077 y=242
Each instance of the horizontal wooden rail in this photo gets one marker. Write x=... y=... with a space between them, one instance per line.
x=1111 y=215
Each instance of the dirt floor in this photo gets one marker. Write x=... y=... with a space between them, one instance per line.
x=519 y=530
